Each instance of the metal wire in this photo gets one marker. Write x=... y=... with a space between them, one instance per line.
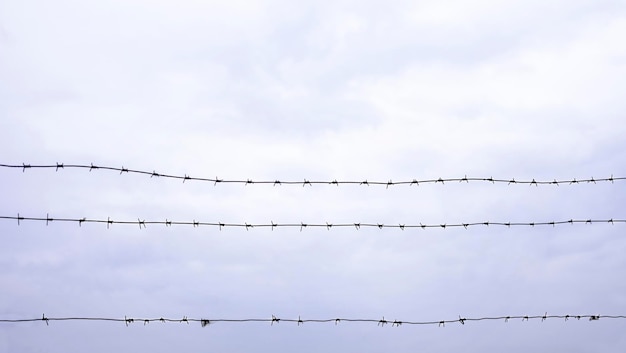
x=275 y=320
x=305 y=182
x=143 y=223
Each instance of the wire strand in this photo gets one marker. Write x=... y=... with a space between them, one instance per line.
x=275 y=320
x=305 y=182
x=143 y=223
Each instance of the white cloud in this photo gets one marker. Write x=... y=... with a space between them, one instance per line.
x=280 y=90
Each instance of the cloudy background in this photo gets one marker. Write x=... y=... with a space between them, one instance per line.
x=291 y=90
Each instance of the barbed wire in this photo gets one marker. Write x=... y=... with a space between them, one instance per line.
x=305 y=182
x=300 y=321
x=143 y=223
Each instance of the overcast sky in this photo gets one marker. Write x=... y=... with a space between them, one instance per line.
x=290 y=90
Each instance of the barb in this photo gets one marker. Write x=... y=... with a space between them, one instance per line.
x=300 y=321
x=276 y=182
x=301 y=225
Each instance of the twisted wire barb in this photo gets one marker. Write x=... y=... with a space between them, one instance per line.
x=299 y=321
x=305 y=182
x=143 y=223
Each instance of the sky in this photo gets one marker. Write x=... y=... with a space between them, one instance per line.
x=283 y=90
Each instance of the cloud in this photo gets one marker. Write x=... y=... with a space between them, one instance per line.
x=279 y=90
